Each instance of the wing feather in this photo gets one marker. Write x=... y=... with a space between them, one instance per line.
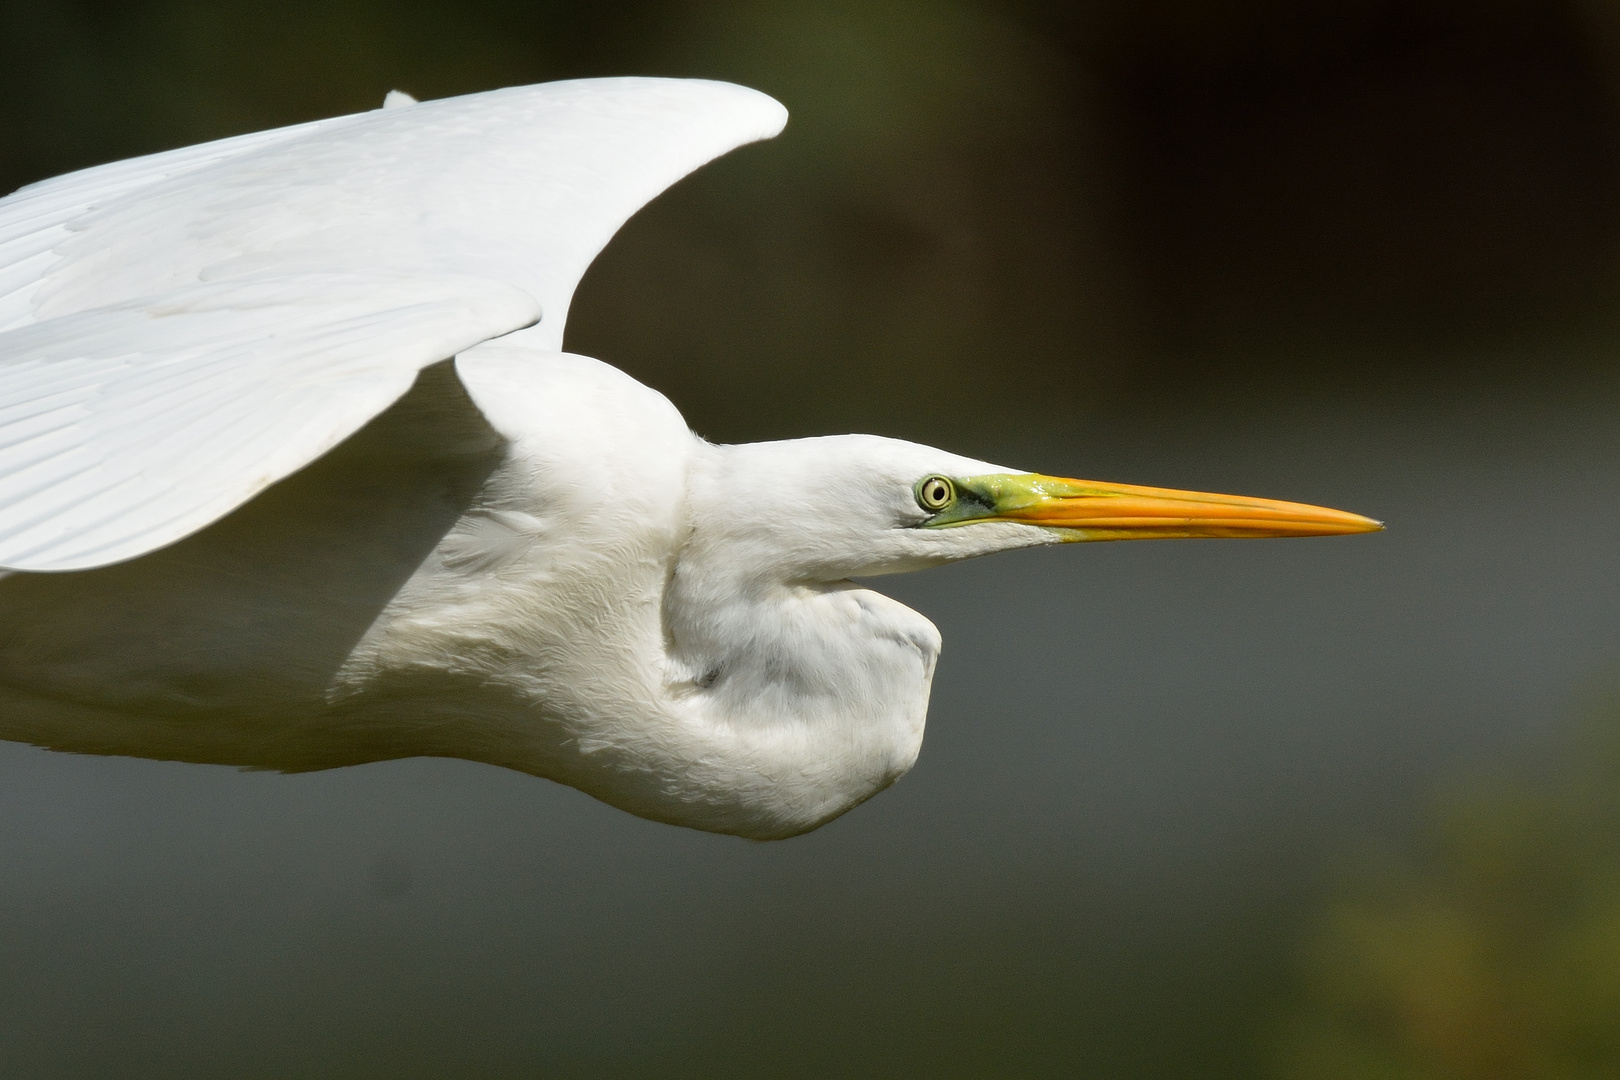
x=179 y=331
x=132 y=425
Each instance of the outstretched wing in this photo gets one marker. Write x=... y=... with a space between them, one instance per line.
x=180 y=331
x=127 y=427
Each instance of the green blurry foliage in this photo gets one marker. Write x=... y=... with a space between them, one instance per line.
x=1495 y=956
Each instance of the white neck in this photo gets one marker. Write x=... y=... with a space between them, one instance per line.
x=816 y=692
x=690 y=696
x=693 y=694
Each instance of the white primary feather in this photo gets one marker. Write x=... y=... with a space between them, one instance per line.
x=183 y=330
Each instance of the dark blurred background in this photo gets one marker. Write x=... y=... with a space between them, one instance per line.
x=1342 y=809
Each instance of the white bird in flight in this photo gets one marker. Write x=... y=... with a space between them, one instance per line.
x=294 y=474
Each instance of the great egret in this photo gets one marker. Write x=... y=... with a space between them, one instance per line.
x=293 y=475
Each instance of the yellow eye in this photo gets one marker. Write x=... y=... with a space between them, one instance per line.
x=935 y=493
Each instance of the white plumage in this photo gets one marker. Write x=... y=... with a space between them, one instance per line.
x=227 y=292
x=294 y=475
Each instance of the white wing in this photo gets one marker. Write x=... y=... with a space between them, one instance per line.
x=178 y=332
x=127 y=427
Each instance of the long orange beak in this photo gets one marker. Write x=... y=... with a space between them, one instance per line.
x=1097 y=511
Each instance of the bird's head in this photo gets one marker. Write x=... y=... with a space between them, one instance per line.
x=829 y=508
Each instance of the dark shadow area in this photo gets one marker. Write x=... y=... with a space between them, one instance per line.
x=1413 y=196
